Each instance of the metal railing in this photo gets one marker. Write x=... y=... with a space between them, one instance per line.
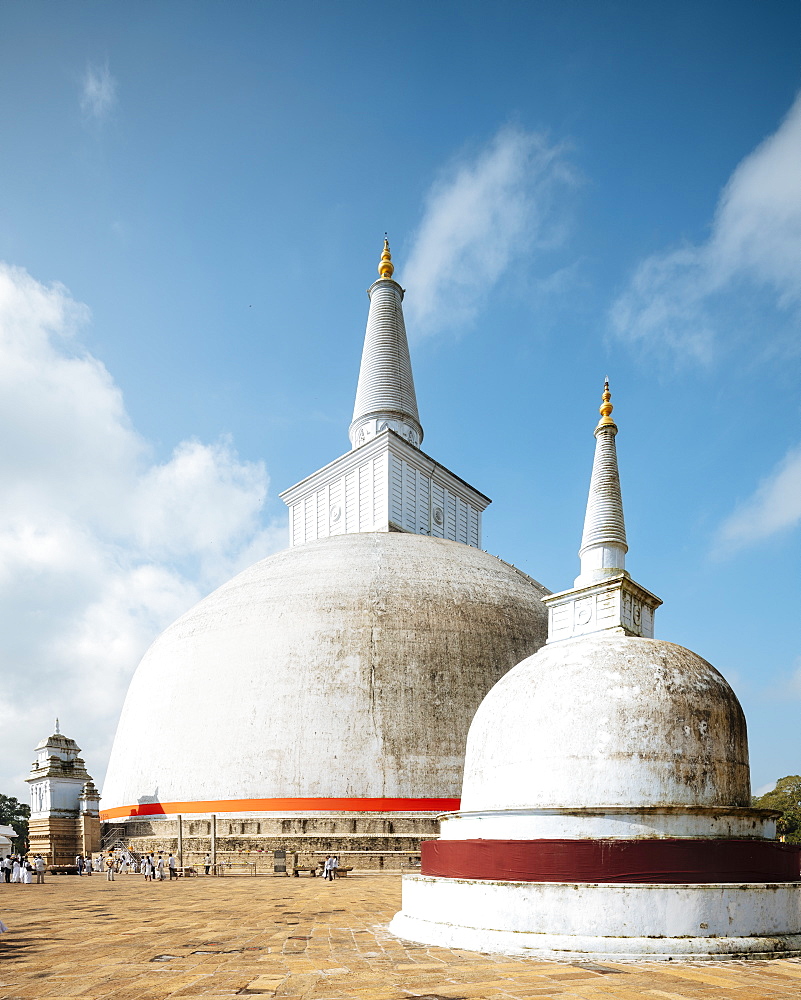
x=234 y=868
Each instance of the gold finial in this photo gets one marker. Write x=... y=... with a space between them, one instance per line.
x=385 y=265
x=606 y=408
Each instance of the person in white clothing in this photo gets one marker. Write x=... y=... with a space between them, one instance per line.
x=160 y=869
x=40 y=866
x=27 y=872
x=16 y=870
x=172 y=864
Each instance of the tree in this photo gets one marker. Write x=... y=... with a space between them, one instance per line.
x=786 y=796
x=15 y=813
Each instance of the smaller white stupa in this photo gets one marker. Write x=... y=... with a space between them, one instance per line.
x=605 y=808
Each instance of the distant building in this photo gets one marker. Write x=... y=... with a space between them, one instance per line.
x=7 y=835
x=65 y=804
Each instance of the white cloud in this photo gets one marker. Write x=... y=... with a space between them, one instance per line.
x=486 y=213
x=681 y=299
x=98 y=92
x=100 y=547
x=764 y=789
x=774 y=507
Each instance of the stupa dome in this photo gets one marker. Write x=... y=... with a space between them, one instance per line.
x=608 y=720
x=346 y=668
x=605 y=811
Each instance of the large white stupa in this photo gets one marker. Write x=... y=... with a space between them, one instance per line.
x=606 y=801
x=322 y=697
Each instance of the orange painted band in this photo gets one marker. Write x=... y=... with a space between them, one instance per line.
x=283 y=805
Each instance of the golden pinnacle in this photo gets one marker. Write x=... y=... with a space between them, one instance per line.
x=606 y=408
x=385 y=266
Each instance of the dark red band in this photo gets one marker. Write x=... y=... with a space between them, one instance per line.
x=660 y=861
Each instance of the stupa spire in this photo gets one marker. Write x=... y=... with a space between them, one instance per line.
x=603 y=542
x=385 y=396
x=385 y=482
x=603 y=598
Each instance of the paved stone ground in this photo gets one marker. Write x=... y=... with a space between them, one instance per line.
x=296 y=938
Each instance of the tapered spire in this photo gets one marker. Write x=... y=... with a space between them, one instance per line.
x=385 y=396
x=603 y=543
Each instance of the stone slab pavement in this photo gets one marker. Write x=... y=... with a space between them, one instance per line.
x=297 y=938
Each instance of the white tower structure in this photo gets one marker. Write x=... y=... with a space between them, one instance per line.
x=605 y=807
x=385 y=483
x=65 y=804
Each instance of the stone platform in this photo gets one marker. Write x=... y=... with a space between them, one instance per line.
x=383 y=841
x=298 y=938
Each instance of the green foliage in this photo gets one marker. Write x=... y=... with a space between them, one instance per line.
x=15 y=813
x=786 y=796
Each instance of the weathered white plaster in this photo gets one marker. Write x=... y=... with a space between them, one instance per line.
x=575 y=921
x=603 y=542
x=386 y=485
x=608 y=720
x=385 y=397
x=616 y=603
x=59 y=781
x=625 y=823
x=346 y=667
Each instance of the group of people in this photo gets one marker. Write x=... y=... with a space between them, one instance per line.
x=87 y=865
x=20 y=868
x=153 y=868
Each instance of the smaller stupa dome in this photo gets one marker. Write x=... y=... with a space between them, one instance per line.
x=605 y=807
x=608 y=720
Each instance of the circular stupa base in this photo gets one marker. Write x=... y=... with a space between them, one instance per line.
x=602 y=921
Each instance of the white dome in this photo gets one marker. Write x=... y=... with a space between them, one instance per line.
x=608 y=720
x=346 y=667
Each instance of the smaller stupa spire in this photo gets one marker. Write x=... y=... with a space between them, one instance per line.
x=605 y=409
x=603 y=543
x=385 y=266
x=58 y=731
x=604 y=598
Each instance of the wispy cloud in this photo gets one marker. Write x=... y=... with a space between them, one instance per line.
x=677 y=300
x=774 y=507
x=100 y=546
x=98 y=92
x=486 y=212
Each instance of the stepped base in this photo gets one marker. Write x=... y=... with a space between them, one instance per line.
x=612 y=922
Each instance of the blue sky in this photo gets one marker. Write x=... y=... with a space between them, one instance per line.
x=192 y=203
